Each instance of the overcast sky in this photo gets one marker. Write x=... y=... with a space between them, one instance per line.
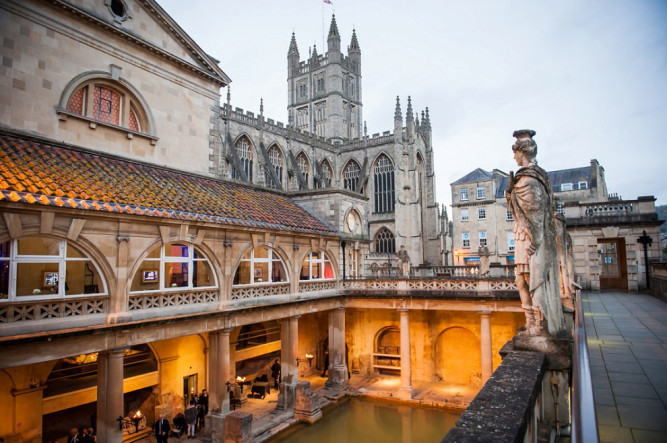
x=589 y=76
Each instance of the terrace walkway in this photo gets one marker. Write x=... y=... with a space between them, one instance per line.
x=627 y=345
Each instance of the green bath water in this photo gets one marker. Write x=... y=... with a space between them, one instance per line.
x=367 y=421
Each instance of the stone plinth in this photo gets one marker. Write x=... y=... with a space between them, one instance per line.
x=215 y=426
x=557 y=350
x=306 y=404
x=286 y=397
x=238 y=427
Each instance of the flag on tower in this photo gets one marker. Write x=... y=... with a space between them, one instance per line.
x=328 y=2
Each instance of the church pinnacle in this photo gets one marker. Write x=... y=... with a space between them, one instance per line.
x=333 y=28
x=398 y=115
x=293 y=49
x=354 y=44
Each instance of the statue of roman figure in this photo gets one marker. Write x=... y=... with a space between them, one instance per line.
x=530 y=200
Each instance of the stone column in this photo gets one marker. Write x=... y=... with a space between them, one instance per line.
x=405 y=391
x=289 y=339
x=213 y=379
x=338 y=374
x=224 y=369
x=109 y=395
x=485 y=345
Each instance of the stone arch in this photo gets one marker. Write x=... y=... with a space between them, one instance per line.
x=88 y=247
x=250 y=247
x=126 y=87
x=210 y=256
x=328 y=254
x=457 y=356
x=246 y=159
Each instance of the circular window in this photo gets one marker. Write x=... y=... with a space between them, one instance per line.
x=118 y=8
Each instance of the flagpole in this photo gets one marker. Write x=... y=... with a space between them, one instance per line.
x=322 y=28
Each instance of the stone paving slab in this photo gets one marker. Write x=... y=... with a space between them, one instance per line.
x=627 y=343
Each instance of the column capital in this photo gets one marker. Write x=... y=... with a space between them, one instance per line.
x=484 y=312
x=403 y=309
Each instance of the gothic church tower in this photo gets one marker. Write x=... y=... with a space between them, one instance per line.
x=324 y=92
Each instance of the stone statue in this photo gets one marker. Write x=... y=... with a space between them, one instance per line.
x=564 y=243
x=404 y=261
x=483 y=253
x=530 y=200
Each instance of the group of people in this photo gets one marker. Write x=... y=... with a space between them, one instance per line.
x=193 y=419
x=84 y=435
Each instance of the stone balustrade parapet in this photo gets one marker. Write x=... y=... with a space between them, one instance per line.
x=508 y=404
x=63 y=313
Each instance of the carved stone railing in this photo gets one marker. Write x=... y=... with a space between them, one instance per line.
x=609 y=209
x=245 y=292
x=153 y=300
x=318 y=285
x=436 y=285
x=52 y=309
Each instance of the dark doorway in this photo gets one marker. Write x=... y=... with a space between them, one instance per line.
x=613 y=264
x=189 y=389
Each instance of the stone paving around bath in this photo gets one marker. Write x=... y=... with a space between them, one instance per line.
x=627 y=345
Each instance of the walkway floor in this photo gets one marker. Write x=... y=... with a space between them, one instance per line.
x=627 y=344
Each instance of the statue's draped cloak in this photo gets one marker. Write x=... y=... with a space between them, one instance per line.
x=530 y=202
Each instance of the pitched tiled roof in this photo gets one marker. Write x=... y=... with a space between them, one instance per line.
x=477 y=175
x=556 y=178
x=40 y=172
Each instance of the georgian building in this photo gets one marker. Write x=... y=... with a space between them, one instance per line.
x=153 y=242
x=604 y=228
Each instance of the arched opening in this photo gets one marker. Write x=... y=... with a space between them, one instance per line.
x=70 y=397
x=387 y=351
x=457 y=357
x=260 y=266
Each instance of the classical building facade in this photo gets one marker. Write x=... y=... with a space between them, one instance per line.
x=604 y=228
x=154 y=242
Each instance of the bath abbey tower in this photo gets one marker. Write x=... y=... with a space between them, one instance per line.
x=378 y=191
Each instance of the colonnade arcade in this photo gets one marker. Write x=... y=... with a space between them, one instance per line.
x=352 y=334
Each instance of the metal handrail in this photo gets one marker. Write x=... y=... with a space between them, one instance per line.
x=584 y=419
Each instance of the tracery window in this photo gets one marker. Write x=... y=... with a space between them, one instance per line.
x=108 y=102
x=303 y=165
x=44 y=267
x=261 y=265
x=351 y=175
x=385 y=241
x=384 y=185
x=276 y=159
x=316 y=266
x=174 y=266
x=244 y=154
x=302 y=122
x=327 y=175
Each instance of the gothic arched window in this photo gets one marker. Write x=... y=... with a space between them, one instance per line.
x=351 y=175
x=385 y=241
x=327 y=175
x=384 y=185
x=304 y=166
x=244 y=154
x=276 y=159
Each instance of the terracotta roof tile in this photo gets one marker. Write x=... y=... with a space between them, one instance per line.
x=47 y=173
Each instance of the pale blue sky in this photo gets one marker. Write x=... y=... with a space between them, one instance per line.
x=589 y=76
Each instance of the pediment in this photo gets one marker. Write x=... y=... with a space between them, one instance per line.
x=149 y=26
